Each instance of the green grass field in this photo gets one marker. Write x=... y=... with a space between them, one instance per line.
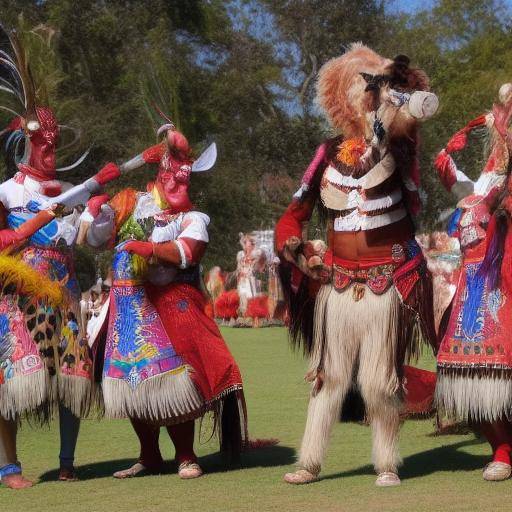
x=439 y=472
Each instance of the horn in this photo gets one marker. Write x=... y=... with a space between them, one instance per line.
x=75 y=164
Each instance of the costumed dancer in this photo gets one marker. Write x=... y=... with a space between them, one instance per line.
x=214 y=282
x=475 y=356
x=251 y=260
x=44 y=357
x=357 y=300
x=277 y=308
x=165 y=362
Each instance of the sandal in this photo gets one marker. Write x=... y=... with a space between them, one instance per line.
x=188 y=470
x=67 y=475
x=300 y=477
x=387 y=479
x=497 y=471
x=137 y=469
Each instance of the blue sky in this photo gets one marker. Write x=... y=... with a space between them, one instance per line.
x=411 y=5
x=414 y=5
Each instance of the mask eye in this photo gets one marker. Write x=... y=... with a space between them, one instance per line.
x=399 y=98
x=33 y=126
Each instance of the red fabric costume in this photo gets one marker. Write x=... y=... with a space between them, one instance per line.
x=165 y=360
x=475 y=356
x=197 y=339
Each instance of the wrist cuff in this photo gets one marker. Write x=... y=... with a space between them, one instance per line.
x=10 y=469
x=183 y=256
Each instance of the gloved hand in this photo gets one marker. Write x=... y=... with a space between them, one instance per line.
x=12 y=237
x=446 y=169
x=457 y=142
x=95 y=203
x=143 y=249
x=108 y=173
x=291 y=249
x=308 y=257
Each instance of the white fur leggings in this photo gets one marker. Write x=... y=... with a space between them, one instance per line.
x=358 y=334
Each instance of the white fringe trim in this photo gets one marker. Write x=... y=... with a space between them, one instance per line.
x=380 y=203
x=375 y=176
x=342 y=325
x=158 y=398
x=356 y=221
x=24 y=393
x=476 y=398
x=75 y=393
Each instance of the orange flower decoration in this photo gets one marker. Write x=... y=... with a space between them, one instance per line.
x=351 y=150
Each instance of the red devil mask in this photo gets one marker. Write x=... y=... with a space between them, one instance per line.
x=42 y=142
x=173 y=177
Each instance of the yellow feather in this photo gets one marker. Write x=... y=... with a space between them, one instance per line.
x=26 y=280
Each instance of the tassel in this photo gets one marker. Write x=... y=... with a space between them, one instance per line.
x=470 y=314
x=490 y=269
x=453 y=222
x=358 y=292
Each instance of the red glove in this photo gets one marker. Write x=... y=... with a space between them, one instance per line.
x=10 y=237
x=446 y=169
x=107 y=174
x=154 y=154
x=95 y=203
x=144 y=249
x=458 y=141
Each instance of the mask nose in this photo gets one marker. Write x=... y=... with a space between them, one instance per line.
x=423 y=105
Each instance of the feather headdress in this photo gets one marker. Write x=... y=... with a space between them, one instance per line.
x=19 y=98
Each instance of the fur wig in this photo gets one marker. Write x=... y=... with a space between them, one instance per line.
x=342 y=91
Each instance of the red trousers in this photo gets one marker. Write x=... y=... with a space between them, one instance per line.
x=182 y=436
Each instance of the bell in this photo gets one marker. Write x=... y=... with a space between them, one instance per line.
x=358 y=292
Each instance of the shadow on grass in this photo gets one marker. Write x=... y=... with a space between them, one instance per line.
x=271 y=456
x=443 y=458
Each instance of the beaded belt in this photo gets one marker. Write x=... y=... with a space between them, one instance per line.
x=48 y=253
x=379 y=279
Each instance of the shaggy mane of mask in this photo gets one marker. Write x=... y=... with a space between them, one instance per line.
x=341 y=90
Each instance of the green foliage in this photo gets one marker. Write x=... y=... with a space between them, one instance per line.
x=464 y=46
x=242 y=73
x=439 y=472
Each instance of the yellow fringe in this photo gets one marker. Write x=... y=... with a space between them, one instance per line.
x=139 y=266
x=14 y=271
